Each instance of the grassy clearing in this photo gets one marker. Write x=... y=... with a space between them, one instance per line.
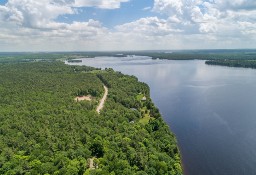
x=145 y=119
x=139 y=97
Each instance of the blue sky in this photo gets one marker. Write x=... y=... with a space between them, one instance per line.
x=2 y=2
x=99 y=25
x=127 y=12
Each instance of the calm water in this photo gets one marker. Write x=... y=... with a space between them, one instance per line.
x=211 y=109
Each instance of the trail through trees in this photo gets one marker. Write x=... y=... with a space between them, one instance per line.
x=102 y=101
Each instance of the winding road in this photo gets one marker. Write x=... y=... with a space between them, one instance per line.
x=102 y=101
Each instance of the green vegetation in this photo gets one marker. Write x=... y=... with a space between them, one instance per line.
x=44 y=131
x=232 y=58
x=32 y=57
x=202 y=54
x=6 y=57
x=233 y=63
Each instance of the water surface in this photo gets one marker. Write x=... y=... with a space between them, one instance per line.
x=211 y=109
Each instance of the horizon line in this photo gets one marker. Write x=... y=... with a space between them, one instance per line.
x=164 y=50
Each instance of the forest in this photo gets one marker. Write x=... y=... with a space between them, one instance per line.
x=233 y=63
x=221 y=54
x=43 y=130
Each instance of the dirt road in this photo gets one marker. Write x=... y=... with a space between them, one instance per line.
x=102 y=101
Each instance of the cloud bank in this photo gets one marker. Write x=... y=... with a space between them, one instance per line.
x=29 y=25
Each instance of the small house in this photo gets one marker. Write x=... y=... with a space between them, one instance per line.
x=144 y=98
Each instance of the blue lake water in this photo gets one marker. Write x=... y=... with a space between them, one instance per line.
x=211 y=110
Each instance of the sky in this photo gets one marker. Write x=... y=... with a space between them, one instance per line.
x=113 y=25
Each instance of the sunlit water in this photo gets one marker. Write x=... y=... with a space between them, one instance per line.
x=211 y=109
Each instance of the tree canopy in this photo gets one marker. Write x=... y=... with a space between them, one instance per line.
x=43 y=130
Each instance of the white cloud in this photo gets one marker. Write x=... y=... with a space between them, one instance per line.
x=151 y=26
x=195 y=24
x=34 y=22
x=176 y=24
x=208 y=16
x=248 y=28
x=30 y=13
x=40 y=17
x=146 y=8
x=105 y=4
x=236 y=4
x=170 y=7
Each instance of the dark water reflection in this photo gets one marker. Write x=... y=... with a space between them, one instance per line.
x=211 y=109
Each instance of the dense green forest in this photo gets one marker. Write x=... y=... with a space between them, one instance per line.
x=7 y=57
x=233 y=63
x=43 y=130
x=202 y=54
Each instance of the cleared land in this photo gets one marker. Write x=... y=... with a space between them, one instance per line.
x=87 y=98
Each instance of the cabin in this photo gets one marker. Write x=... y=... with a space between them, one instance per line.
x=144 y=98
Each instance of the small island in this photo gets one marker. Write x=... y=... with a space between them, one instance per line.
x=74 y=61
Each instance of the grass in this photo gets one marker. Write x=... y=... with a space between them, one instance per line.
x=139 y=97
x=144 y=110
x=145 y=119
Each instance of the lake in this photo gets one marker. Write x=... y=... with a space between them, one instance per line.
x=211 y=110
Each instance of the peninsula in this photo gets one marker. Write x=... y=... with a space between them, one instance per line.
x=45 y=131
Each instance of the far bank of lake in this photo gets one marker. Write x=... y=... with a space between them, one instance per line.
x=211 y=109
